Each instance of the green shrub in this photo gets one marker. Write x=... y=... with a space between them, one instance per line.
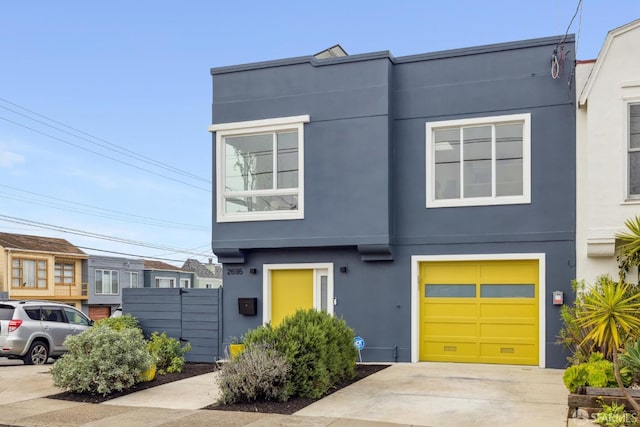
x=126 y=321
x=318 y=346
x=167 y=352
x=597 y=372
x=258 y=373
x=101 y=360
x=614 y=415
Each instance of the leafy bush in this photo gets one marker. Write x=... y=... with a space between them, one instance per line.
x=101 y=360
x=597 y=372
x=259 y=373
x=614 y=415
x=318 y=346
x=167 y=352
x=126 y=321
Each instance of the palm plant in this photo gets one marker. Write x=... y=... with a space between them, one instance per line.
x=611 y=314
x=630 y=246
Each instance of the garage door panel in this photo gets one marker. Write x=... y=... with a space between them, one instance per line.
x=457 y=351
x=503 y=331
x=508 y=311
x=451 y=329
x=509 y=352
x=494 y=321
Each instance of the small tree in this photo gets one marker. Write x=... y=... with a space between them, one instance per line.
x=630 y=247
x=612 y=316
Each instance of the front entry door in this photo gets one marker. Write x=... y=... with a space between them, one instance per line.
x=293 y=287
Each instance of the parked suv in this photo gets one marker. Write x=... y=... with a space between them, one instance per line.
x=35 y=330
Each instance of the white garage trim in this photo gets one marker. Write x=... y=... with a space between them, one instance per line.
x=415 y=292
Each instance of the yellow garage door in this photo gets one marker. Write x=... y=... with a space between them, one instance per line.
x=291 y=290
x=479 y=312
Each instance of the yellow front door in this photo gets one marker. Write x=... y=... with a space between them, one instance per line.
x=479 y=311
x=291 y=290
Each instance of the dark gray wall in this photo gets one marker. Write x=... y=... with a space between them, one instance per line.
x=346 y=149
x=192 y=315
x=372 y=109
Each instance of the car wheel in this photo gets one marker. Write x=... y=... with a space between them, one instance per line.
x=38 y=354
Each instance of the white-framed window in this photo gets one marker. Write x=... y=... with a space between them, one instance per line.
x=479 y=161
x=185 y=283
x=134 y=279
x=633 y=147
x=107 y=282
x=165 y=282
x=259 y=169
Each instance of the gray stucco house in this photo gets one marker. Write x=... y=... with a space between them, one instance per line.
x=429 y=200
x=107 y=276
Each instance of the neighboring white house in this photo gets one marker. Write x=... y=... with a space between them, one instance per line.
x=608 y=150
x=206 y=275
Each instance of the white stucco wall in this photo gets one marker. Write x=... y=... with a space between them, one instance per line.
x=605 y=89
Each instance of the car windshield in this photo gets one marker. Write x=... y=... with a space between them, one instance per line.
x=6 y=312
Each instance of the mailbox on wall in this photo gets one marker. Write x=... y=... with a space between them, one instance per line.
x=248 y=306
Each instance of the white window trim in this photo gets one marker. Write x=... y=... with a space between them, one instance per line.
x=133 y=274
x=416 y=295
x=117 y=272
x=155 y=282
x=316 y=267
x=525 y=198
x=257 y=126
x=187 y=283
x=627 y=102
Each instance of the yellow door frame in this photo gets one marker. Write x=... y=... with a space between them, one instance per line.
x=416 y=295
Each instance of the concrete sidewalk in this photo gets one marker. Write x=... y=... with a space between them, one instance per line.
x=421 y=394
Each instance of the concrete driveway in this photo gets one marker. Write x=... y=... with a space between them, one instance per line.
x=452 y=394
x=420 y=394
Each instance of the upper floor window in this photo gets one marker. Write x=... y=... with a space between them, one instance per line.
x=107 y=282
x=476 y=162
x=64 y=273
x=185 y=283
x=28 y=273
x=634 y=150
x=259 y=169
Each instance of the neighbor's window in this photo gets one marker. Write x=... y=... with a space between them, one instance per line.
x=185 y=283
x=634 y=150
x=483 y=161
x=107 y=282
x=133 y=279
x=165 y=282
x=259 y=169
x=64 y=273
x=28 y=273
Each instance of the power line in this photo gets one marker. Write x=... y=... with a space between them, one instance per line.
x=58 y=228
x=64 y=141
x=128 y=254
x=118 y=214
x=107 y=145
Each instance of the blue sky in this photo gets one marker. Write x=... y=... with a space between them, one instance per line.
x=104 y=105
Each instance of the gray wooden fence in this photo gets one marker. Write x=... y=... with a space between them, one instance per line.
x=193 y=315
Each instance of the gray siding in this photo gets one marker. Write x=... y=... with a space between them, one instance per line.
x=192 y=315
x=123 y=266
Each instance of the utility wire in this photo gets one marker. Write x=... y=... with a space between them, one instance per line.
x=117 y=214
x=128 y=254
x=64 y=141
x=58 y=228
x=105 y=144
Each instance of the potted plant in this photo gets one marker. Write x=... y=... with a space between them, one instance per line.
x=236 y=346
